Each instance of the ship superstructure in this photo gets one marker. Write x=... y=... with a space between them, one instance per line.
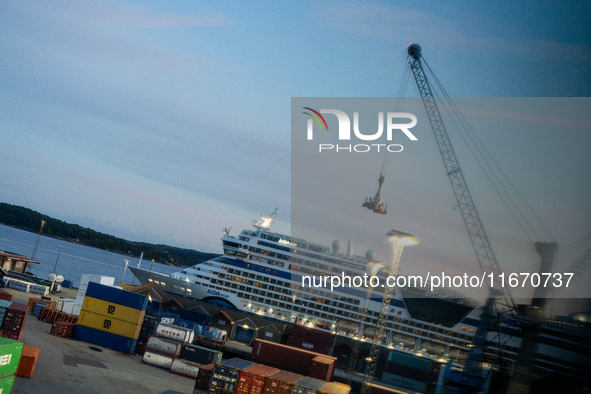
x=261 y=272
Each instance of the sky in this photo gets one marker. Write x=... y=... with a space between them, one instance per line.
x=168 y=122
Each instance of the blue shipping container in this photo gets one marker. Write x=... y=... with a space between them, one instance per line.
x=106 y=339
x=66 y=284
x=37 y=308
x=193 y=316
x=167 y=318
x=117 y=296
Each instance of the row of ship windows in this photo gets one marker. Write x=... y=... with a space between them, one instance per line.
x=304 y=292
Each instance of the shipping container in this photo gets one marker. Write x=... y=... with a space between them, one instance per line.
x=62 y=329
x=117 y=296
x=37 y=308
x=257 y=377
x=14 y=321
x=308 y=385
x=6 y=384
x=176 y=333
x=10 y=355
x=109 y=324
x=288 y=358
x=157 y=360
x=308 y=345
x=185 y=368
x=195 y=317
x=314 y=335
x=322 y=368
x=106 y=339
x=4 y=295
x=284 y=382
x=164 y=346
x=168 y=318
x=204 y=377
x=116 y=311
x=28 y=361
x=200 y=355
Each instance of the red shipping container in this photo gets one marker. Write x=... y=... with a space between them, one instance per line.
x=14 y=320
x=308 y=345
x=284 y=382
x=284 y=357
x=204 y=377
x=62 y=329
x=322 y=368
x=313 y=335
x=244 y=382
x=4 y=295
x=28 y=361
x=259 y=373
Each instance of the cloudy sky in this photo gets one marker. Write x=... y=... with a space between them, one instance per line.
x=165 y=123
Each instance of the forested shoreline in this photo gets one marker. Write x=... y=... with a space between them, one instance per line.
x=29 y=220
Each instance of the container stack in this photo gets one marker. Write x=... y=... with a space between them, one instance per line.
x=170 y=348
x=292 y=359
x=146 y=330
x=203 y=379
x=237 y=376
x=14 y=321
x=111 y=317
x=84 y=281
x=311 y=339
x=10 y=355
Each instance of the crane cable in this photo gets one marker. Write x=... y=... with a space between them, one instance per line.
x=403 y=87
x=477 y=143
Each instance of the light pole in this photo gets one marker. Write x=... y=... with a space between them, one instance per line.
x=125 y=269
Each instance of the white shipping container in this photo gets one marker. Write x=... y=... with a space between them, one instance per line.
x=103 y=280
x=157 y=360
x=185 y=368
x=163 y=346
x=68 y=307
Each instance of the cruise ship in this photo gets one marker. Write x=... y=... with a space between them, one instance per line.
x=261 y=272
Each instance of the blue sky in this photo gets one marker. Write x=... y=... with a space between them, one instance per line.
x=166 y=122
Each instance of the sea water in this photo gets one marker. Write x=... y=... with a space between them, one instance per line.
x=71 y=259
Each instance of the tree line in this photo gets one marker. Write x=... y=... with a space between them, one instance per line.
x=29 y=220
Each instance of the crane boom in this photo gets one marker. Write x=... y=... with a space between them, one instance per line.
x=480 y=243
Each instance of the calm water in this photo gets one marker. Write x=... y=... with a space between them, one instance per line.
x=74 y=259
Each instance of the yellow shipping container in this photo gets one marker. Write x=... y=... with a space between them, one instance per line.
x=113 y=310
x=109 y=324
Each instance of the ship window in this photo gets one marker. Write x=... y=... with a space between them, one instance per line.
x=471 y=330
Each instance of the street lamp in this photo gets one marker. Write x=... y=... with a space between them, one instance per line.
x=399 y=240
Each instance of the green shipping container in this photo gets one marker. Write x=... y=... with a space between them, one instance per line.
x=10 y=356
x=6 y=384
x=409 y=360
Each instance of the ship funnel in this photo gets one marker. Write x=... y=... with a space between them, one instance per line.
x=350 y=249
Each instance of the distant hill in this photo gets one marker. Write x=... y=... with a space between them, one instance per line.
x=29 y=220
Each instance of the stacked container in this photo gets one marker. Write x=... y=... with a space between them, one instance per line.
x=111 y=317
x=170 y=348
x=203 y=379
x=226 y=376
x=294 y=360
x=281 y=382
x=10 y=355
x=84 y=281
x=14 y=321
x=146 y=330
